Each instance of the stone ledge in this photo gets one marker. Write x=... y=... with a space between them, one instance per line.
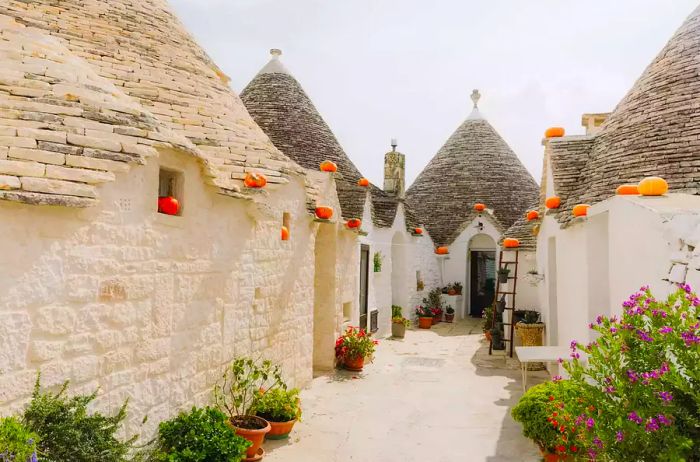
x=32 y=198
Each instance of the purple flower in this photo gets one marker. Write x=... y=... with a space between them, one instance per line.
x=560 y=361
x=690 y=338
x=610 y=389
x=574 y=344
x=557 y=378
x=592 y=454
x=685 y=287
x=666 y=396
x=666 y=330
x=590 y=423
x=634 y=417
x=579 y=419
x=632 y=376
x=663 y=420
x=575 y=355
x=619 y=436
x=644 y=336
x=652 y=425
x=598 y=443
x=613 y=330
x=591 y=325
x=599 y=319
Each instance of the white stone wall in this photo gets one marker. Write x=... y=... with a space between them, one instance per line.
x=151 y=307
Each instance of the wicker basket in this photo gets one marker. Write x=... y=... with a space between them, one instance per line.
x=531 y=335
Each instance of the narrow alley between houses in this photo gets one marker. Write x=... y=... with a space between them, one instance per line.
x=434 y=396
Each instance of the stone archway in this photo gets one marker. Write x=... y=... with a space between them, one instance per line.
x=324 y=298
x=481 y=273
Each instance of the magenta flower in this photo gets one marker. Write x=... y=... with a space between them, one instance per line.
x=666 y=396
x=634 y=417
x=619 y=436
x=666 y=330
x=652 y=425
x=590 y=423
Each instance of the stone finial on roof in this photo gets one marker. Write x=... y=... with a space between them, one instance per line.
x=275 y=53
x=394 y=144
x=476 y=96
x=274 y=66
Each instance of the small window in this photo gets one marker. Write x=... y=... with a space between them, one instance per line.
x=419 y=282
x=347 y=311
x=170 y=185
x=287 y=223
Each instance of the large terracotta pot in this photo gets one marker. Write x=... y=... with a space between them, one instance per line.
x=425 y=323
x=280 y=430
x=254 y=435
x=398 y=329
x=354 y=364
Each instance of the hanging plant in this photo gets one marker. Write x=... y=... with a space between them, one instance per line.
x=324 y=213
x=581 y=210
x=479 y=207
x=364 y=182
x=653 y=186
x=554 y=132
x=255 y=180
x=552 y=202
x=328 y=166
x=627 y=190
x=378 y=258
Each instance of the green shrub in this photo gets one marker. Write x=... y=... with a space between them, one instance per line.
x=17 y=443
x=67 y=432
x=534 y=411
x=201 y=435
x=279 y=405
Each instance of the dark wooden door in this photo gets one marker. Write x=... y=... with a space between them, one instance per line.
x=364 y=279
x=483 y=281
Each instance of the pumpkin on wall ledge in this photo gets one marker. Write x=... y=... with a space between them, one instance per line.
x=324 y=213
x=653 y=186
x=364 y=182
x=479 y=207
x=554 y=132
x=510 y=243
x=255 y=180
x=581 y=210
x=627 y=190
x=354 y=223
x=532 y=215
x=328 y=166
x=442 y=251
x=552 y=202
x=418 y=231
x=168 y=205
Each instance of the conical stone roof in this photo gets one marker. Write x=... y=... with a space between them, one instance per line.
x=474 y=165
x=281 y=107
x=655 y=130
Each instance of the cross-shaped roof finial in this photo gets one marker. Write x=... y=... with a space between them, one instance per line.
x=476 y=96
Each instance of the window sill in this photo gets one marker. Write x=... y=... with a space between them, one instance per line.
x=174 y=221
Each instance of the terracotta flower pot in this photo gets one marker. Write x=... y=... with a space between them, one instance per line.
x=354 y=364
x=280 y=430
x=452 y=292
x=449 y=317
x=425 y=323
x=487 y=334
x=255 y=435
x=436 y=319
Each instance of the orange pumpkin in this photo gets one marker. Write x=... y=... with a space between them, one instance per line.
x=532 y=215
x=552 y=202
x=255 y=180
x=510 y=243
x=442 y=251
x=354 y=223
x=653 y=186
x=418 y=231
x=554 y=132
x=324 y=213
x=285 y=233
x=363 y=182
x=627 y=190
x=328 y=166
x=581 y=210
x=479 y=207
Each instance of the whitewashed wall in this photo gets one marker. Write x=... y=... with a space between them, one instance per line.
x=148 y=306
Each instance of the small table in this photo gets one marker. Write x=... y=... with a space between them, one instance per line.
x=539 y=354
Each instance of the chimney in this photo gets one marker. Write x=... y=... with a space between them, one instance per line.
x=594 y=122
x=395 y=172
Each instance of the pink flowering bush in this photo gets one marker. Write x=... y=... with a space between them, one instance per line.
x=638 y=394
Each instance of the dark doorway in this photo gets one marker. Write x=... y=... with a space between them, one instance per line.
x=364 y=278
x=483 y=281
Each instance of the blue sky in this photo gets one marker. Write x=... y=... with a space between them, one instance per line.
x=378 y=69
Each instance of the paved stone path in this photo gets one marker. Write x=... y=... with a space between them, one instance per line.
x=435 y=396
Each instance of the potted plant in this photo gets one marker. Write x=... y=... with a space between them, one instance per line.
x=377 y=260
x=457 y=288
x=446 y=290
x=282 y=409
x=201 y=434
x=503 y=274
x=529 y=328
x=353 y=348
x=425 y=317
x=398 y=322
x=449 y=314
x=487 y=316
x=437 y=314
x=242 y=385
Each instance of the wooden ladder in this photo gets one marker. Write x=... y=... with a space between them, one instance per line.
x=512 y=276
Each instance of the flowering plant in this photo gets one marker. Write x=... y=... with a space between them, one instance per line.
x=354 y=343
x=436 y=312
x=423 y=312
x=639 y=393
